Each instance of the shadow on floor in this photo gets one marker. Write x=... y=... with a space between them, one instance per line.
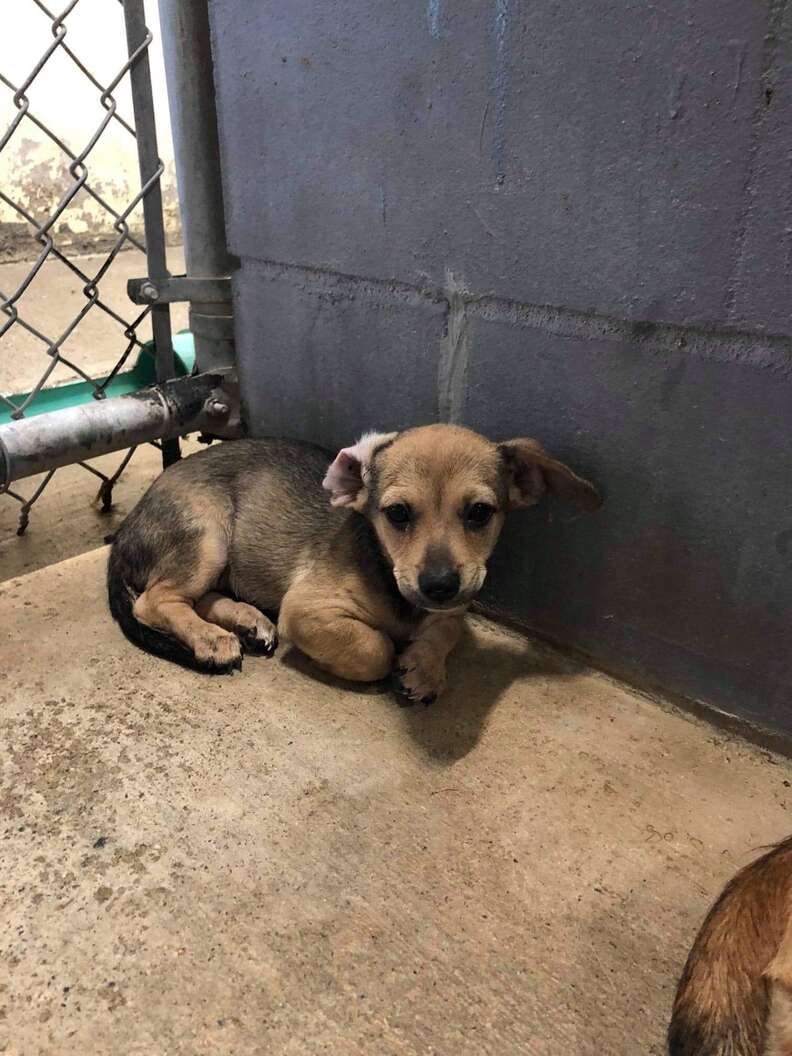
x=480 y=671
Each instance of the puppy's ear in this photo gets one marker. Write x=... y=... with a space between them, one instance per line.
x=531 y=474
x=349 y=474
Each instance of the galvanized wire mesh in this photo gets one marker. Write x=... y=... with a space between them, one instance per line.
x=57 y=347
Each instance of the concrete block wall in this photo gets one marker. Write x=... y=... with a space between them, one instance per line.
x=571 y=221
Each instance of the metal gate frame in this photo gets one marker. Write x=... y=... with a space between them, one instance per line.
x=208 y=400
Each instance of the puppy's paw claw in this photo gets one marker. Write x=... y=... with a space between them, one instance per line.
x=258 y=644
x=411 y=687
x=406 y=700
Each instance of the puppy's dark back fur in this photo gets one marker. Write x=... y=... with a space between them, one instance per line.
x=232 y=482
x=722 y=1000
x=156 y=529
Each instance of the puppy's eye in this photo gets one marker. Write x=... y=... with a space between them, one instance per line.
x=479 y=514
x=398 y=514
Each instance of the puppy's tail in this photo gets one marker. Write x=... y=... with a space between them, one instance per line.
x=723 y=997
x=121 y=596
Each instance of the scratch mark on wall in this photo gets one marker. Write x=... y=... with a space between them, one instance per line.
x=454 y=355
x=739 y=72
x=675 y=97
x=483 y=126
x=433 y=17
x=482 y=221
x=500 y=86
x=384 y=205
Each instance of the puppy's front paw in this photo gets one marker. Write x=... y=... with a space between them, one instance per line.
x=218 y=652
x=418 y=677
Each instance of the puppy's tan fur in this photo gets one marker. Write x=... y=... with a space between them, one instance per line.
x=246 y=527
x=735 y=994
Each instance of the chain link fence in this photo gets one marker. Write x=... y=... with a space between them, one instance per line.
x=36 y=345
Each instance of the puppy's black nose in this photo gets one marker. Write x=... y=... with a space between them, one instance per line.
x=439 y=586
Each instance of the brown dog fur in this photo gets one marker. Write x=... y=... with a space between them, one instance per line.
x=245 y=528
x=735 y=994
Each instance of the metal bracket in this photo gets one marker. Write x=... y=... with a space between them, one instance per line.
x=222 y=410
x=180 y=288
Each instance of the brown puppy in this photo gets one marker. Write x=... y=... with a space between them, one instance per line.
x=735 y=994
x=395 y=556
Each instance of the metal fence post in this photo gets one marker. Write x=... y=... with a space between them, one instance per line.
x=191 y=95
x=138 y=39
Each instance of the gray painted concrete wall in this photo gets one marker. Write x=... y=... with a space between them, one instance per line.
x=571 y=221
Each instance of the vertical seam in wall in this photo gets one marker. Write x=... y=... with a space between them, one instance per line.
x=500 y=87
x=433 y=17
x=452 y=368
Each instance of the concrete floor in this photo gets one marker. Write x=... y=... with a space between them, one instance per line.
x=55 y=297
x=272 y=863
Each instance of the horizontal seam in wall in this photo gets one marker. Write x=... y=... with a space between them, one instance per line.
x=771 y=351
x=327 y=281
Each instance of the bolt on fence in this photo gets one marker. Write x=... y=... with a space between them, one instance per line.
x=84 y=188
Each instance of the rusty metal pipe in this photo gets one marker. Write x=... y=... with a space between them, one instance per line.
x=60 y=438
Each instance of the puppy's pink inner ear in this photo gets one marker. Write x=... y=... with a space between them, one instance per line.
x=349 y=472
x=344 y=478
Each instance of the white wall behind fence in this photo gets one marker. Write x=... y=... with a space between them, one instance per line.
x=34 y=171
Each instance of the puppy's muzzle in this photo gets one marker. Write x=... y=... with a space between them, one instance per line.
x=439 y=586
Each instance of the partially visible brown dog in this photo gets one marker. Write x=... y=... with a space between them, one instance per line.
x=735 y=994
x=395 y=556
